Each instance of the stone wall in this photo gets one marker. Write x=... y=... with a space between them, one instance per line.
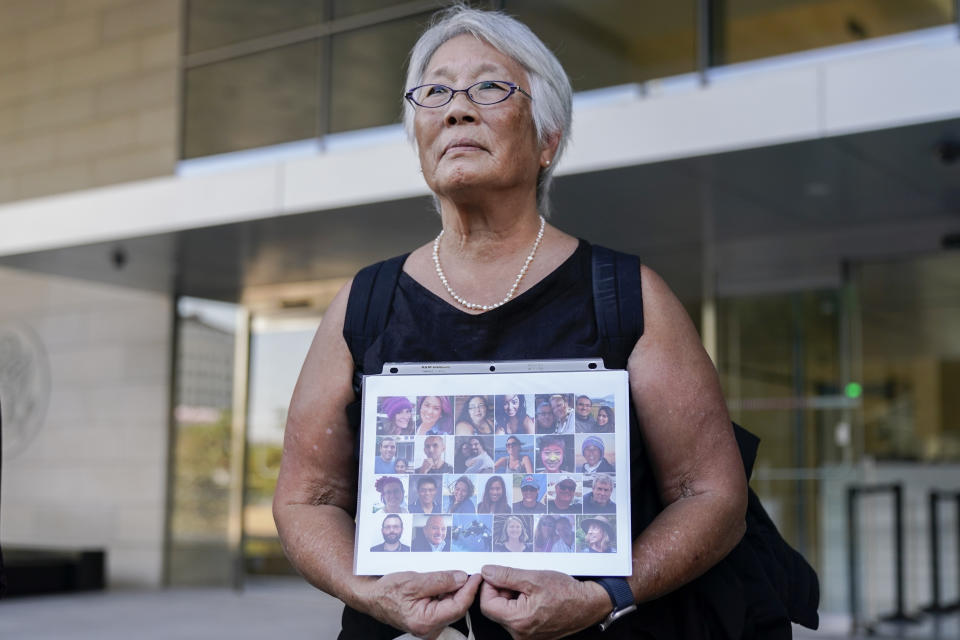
x=88 y=93
x=92 y=472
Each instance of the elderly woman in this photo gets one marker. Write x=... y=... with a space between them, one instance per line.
x=489 y=109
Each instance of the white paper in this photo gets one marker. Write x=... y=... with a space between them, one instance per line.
x=393 y=410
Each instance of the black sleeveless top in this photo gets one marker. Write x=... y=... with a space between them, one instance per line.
x=555 y=319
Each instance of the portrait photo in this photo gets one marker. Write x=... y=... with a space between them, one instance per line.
x=433 y=454
x=514 y=454
x=564 y=492
x=474 y=454
x=513 y=413
x=474 y=415
x=395 y=534
x=431 y=533
x=472 y=532
x=392 y=491
x=395 y=416
x=595 y=453
x=513 y=533
x=529 y=491
x=459 y=493
x=434 y=415
x=495 y=493
x=555 y=453
x=426 y=494
x=597 y=534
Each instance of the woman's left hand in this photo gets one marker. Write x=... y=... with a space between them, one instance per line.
x=541 y=604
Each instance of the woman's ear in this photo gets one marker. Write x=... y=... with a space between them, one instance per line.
x=549 y=149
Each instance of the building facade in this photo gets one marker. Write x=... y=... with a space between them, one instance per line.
x=184 y=185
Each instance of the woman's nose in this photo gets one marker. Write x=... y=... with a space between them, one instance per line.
x=460 y=109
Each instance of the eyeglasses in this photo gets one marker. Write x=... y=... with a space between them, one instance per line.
x=484 y=92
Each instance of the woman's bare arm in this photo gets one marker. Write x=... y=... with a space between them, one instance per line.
x=691 y=447
x=316 y=495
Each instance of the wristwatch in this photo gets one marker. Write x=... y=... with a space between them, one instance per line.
x=620 y=595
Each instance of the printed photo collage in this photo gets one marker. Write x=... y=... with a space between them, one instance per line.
x=494 y=473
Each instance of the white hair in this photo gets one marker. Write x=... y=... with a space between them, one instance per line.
x=549 y=85
x=602 y=479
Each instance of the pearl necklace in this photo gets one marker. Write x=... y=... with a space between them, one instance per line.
x=513 y=289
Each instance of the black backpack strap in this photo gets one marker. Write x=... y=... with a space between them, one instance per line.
x=617 y=302
x=368 y=309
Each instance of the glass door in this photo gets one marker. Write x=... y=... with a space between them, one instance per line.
x=783 y=368
x=279 y=341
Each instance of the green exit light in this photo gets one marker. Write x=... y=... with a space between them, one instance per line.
x=853 y=390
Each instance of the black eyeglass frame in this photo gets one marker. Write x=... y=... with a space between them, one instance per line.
x=514 y=87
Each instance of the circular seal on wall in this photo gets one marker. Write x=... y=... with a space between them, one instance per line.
x=24 y=385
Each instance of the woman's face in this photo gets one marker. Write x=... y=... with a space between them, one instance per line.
x=430 y=410
x=402 y=418
x=511 y=404
x=602 y=418
x=392 y=495
x=563 y=528
x=401 y=466
x=495 y=491
x=594 y=535
x=465 y=146
x=477 y=407
x=552 y=457
x=513 y=447
x=514 y=529
x=460 y=492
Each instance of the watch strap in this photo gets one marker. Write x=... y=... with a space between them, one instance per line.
x=620 y=595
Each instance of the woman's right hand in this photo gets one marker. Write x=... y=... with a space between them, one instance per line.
x=421 y=603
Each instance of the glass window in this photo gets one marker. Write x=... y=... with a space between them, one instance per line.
x=780 y=366
x=216 y=23
x=252 y=101
x=278 y=346
x=610 y=42
x=368 y=72
x=911 y=358
x=199 y=550
x=751 y=29
x=344 y=8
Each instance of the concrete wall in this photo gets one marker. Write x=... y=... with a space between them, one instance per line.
x=93 y=472
x=88 y=93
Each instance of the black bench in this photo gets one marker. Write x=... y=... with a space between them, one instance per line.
x=34 y=571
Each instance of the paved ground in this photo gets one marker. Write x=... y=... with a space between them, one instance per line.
x=287 y=609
